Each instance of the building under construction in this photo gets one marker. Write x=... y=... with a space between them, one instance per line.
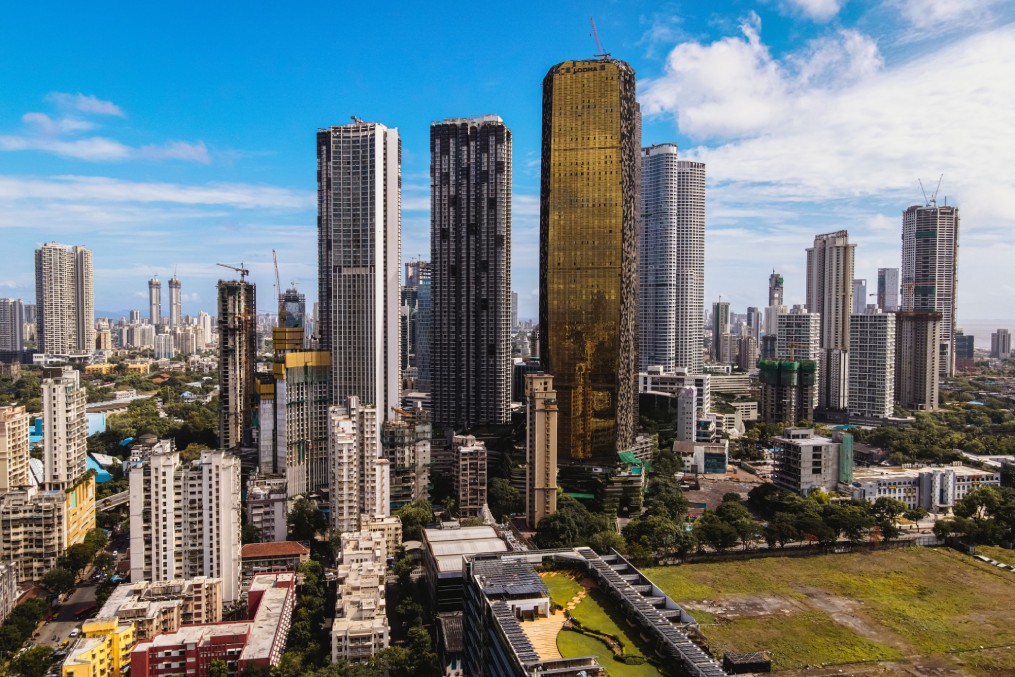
x=237 y=329
x=787 y=390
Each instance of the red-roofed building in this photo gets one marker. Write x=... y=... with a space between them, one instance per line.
x=259 y=641
x=257 y=558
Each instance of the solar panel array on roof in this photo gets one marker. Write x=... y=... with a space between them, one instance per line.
x=511 y=578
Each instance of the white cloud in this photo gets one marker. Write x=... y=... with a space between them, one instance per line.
x=52 y=127
x=94 y=149
x=819 y=10
x=829 y=135
x=85 y=103
x=938 y=16
x=176 y=150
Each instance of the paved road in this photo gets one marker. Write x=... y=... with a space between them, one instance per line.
x=56 y=631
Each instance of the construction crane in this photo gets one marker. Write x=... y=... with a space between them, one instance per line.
x=241 y=270
x=600 y=53
x=932 y=200
x=278 y=291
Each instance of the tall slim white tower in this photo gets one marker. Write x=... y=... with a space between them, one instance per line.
x=672 y=265
x=65 y=299
x=12 y=326
x=830 y=294
x=65 y=427
x=174 y=301
x=155 y=301
x=930 y=248
x=359 y=247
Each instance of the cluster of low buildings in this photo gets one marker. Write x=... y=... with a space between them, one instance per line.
x=805 y=462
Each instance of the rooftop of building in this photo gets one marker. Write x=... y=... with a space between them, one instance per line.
x=474 y=120
x=912 y=472
x=278 y=549
x=449 y=546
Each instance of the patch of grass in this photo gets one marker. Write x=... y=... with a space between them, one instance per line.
x=921 y=600
x=796 y=640
x=989 y=662
x=563 y=587
x=597 y=612
x=573 y=644
x=1003 y=555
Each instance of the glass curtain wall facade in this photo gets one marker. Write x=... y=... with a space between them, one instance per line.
x=588 y=286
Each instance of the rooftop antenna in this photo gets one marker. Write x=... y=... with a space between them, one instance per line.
x=601 y=54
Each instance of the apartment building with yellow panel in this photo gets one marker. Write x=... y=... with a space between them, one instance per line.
x=102 y=651
x=588 y=273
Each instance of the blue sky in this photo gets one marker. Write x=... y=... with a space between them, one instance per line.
x=175 y=139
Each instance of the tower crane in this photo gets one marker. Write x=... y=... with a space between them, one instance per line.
x=241 y=270
x=600 y=53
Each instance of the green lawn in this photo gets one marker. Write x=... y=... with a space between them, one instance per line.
x=572 y=644
x=912 y=601
x=563 y=587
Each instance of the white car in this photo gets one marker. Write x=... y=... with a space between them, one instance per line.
x=75 y=632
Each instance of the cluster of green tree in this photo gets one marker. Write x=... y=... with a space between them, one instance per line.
x=985 y=515
x=193 y=425
x=26 y=390
x=935 y=436
x=755 y=439
x=307 y=635
x=573 y=524
x=415 y=517
x=35 y=662
x=503 y=499
x=20 y=624
x=414 y=658
x=816 y=519
x=662 y=528
x=62 y=577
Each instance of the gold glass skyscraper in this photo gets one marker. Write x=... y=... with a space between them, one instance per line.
x=588 y=273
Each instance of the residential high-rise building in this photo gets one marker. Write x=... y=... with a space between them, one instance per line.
x=830 y=295
x=470 y=258
x=65 y=427
x=917 y=356
x=672 y=260
x=64 y=300
x=422 y=336
x=720 y=328
x=469 y=465
x=776 y=285
x=888 y=289
x=859 y=297
x=540 y=448
x=514 y=312
x=359 y=477
x=754 y=322
x=13 y=448
x=185 y=517
x=359 y=249
x=406 y=445
x=237 y=330
x=164 y=347
x=175 y=296
x=871 y=365
x=965 y=348
x=155 y=301
x=588 y=277
x=747 y=353
x=12 y=327
x=1000 y=343
x=930 y=248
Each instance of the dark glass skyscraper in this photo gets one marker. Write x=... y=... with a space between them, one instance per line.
x=588 y=273
x=470 y=256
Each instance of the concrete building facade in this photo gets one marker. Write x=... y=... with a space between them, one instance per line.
x=888 y=289
x=12 y=327
x=917 y=372
x=872 y=365
x=470 y=258
x=830 y=265
x=359 y=250
x=13 y=448
x=469 y=460
x=540 y=448
x=237 y=331
x=672 y=260
x=64 y=300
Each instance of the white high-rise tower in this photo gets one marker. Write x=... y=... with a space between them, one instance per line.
x=65 y=300
x=358 y=235
x=155 y=301
x=174 y=301
x=65 y=427
x=672 y=260
x=830 y=294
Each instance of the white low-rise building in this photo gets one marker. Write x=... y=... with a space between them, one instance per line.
x=360 y=628
x=934 y=488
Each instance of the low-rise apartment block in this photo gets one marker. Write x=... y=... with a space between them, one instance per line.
x=165 y=606
x=808 y=461
x=360 y=628
x=261 y=558
x=103 y=650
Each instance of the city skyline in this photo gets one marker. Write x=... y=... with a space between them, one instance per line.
x=105 y=159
